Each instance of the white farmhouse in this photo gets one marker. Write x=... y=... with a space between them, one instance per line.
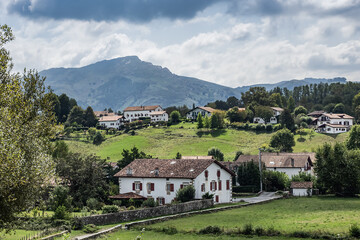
x=162 y=178
x=159 y=116
x=114 y=121
x=204 y=111
x=289 y=163
x=273 y=120
x=301 y=189
x=334 y=123
x=134 y=113
x=277 y=111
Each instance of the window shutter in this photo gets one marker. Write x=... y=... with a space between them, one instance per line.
x=152 y=186
x=171 y=187
x=219 y=185
x=133 y=186
x=215 y=185
x=218 y=173
x=211 y=187
x=140 y=186
x=227 y=184
x=163 y=201
x=206 y=174
x=181 y=186
x=217 y=198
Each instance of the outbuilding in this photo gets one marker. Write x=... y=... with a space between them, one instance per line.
x=301 y=189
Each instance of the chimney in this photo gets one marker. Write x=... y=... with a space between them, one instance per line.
x=156 y=172
x=129 y=171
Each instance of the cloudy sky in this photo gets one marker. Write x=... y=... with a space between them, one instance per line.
x=229 y=42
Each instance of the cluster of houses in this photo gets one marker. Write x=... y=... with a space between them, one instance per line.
x=160 y=179
x=331 y=123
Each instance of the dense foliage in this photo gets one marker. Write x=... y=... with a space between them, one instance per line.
x=186 y=194
x=216 y=153
x=283 y=140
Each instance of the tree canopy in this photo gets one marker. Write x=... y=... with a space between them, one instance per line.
x=283 y=140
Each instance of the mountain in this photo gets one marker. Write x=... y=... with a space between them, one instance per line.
x=128 y=81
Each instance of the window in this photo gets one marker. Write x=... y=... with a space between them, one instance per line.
x=137 y=186
x=218 y=173
x=219 y=185
x=216 y=198
x=206 y=175
x=150 y=187
x=213 y=186
x=203 y=187
x=169 y=187
x=111 y=124
x=184 y=185
x=160 y=200
x=227 y=184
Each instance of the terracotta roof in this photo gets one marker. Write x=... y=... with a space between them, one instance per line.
x=157 y=113
x=301 y=185
x=334 y=125
x=141 y=108
x=103 y=113
x=241 y=109
x=168 y=168
x=315 y=113
x=208 y=109
x=277 y=109
x=197 y=157
x=272 y=160
x=109 y=118
x=337 y=116
x=127 y=196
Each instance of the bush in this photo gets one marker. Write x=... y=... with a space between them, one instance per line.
x=93 y=204
x=170 y=230
x=274 y=181
x=77 y=224
x=91 y=228
x=207 y=195
x=186 y=194
x=149 y=203
x=61 y=213
x=61 y=223
x=210 y=230
x=269 y=128
x=354 y=231
x=259 y=231
x=117 y=203
x=300 y=234
x=131 y=208
x=216 y=153
x=98 y=138
x=248 y=229
x=260 y=127
x=110 y=209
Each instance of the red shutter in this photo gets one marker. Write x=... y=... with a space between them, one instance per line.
x=219 y=185
x=217 y=198
x=181 y=186
x=140 y=186
x=211 y=187
x=152 y=186
x=227 y=184
x=171 y=187
x=215 y=186
x=133 y=186
x=218 y=173
x=206 y=174
x=163 y=201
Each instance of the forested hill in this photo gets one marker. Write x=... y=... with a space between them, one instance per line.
x=128 y=81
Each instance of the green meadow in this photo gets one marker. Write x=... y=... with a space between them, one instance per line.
x=165 y=142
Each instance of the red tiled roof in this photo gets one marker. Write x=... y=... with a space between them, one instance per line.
x=208 y=109
x=141 y=108
x=168 y=168
x=103 y=113
x=300 y=185
x=277 y=109
x=197 y=157
x=334 y=125
x=315 y=113
x=157 y=113
x=337 y=116
x=127 y=196
x=109 y=118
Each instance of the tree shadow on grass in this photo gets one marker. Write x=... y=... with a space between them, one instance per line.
x=213 y=133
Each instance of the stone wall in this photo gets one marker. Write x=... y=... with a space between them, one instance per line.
x=127 y=216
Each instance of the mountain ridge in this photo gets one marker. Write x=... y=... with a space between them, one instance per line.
x=129 y=81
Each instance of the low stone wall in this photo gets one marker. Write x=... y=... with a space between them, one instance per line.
x=127 y=216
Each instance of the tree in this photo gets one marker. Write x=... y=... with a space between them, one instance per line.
x=287 y=120
x=175 y=116
x=110 y=110
x=264 y=112
x=339 y=108
x=234 y=115
x=90 y=119
x=131 y=155
x=61 y=150
x=273 y=180
x=232 y=102
x=60 y=197
x=356 y=101
x=98 y=138
x=56 y=104
x=283 y=140
x=216 y=153
x=199 y=119
x=217 y=119
x=291 y=104
x=257 y=95
x=238 y=154
x=207 y=123
x=299 y=110
x=26 y=125
x=353 y=140
x=64 y=107
x=249 y=174
x=276 y=99
x=186 y=194
x=76 y=115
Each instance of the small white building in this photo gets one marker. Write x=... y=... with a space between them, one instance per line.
x=204 y=111
x=114 y=121
x=258 y=120
x=135 y=113
x=159 y=116
x=162 y=178
x=277 y=111
x=301 y=189
x=273 y=120
x=334 y=123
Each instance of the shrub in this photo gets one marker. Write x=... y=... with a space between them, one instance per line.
x=61 y=223
x=354 y=231
x=170 y=230
x=300 y=234
x=259 y=231
x=186 y=194
x=77 y=224
x=269 y=128
x=117 y=202
x=210 y=230
x=131 y=208
x=61 y=213
x=207 y=195
x=90 y=228
x=149 y=203
x=260 y=127
x=110 y=209
x=216 y=153
x=93 y=204
x=248 y=229
x=98 y=138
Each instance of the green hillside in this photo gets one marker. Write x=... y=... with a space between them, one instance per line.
x=165 y=142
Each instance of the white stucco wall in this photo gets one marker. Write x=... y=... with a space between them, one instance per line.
x=258 y=120
x=159 y=118
x=300 y=192
x=135 y=115
x=194 y=113
x=289 y=171
x=110 y=124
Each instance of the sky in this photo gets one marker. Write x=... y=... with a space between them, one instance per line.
x=228 y=42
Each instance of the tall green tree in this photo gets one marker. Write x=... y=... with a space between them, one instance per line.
x=283 y=140
x=287 y=120
x=90 y=119
x=130 y=155
x=76 y=115
x=353 y=140
x=217 y=119
x=200 y=121
x=234 y=115
x=26 y=126
x=257 y=95
x=175 y=116
x=216 y=153
x=299 y=110
x=291 y=104
x=64 y=107
x=264 y=112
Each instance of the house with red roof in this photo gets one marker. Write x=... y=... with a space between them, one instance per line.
x=155 y=113
x=334 y=123
x=160 y=179
x=204 y=111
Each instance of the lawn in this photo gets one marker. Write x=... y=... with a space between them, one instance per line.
x=17 y=234
x=165 y=142
x=328 y=214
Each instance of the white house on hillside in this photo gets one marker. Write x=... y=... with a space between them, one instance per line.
x=162 y=178
x=114 y=121
x=273 y=120
x=204 y=111
x=334 y=123
x=159 y=116
x=134 y=113
x=277 y=111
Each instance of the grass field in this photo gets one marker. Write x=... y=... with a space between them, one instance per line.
x=328 y=214
x=18 y=234
x=165 y=142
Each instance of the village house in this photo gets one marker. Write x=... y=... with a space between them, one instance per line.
x=273 y=120
x=114 y=121
x=204 y=111
x=334 y=123
x=160 y=179
x=100 y=114
x=139 y=112
x=301 y=189
x=277 y=111
x=159 y=116
x=289 y=163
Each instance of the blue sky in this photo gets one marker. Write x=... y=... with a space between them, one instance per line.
x=229 y=42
